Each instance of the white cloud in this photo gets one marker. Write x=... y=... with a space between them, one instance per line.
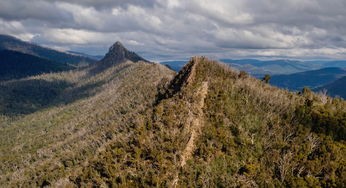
x=15 y=28
x=174 y=28
x=75 y=36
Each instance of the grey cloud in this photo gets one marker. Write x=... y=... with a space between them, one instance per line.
x=174 y=28
x=32 y=9
x=106 y=4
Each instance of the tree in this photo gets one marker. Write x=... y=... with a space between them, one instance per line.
x=266 y=78
x=306 y=91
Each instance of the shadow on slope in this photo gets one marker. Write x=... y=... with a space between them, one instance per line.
x=27 y=96
x=312 y=79
x=20 y=97
x=16 y=65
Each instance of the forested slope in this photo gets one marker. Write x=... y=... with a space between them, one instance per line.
x=136 y=124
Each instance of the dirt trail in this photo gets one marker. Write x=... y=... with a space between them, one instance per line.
x=195 y=124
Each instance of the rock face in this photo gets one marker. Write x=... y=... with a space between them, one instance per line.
x=118 y=53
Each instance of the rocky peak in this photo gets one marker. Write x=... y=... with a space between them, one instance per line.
x=118 y=53
x=117 y=49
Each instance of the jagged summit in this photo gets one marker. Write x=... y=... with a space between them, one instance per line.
x=117 y=47
x=118 y=53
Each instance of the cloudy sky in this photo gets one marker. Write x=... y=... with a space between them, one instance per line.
x=173 y=29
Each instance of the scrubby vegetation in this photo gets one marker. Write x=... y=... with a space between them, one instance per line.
x=255 y=136
x=135 y=125
x=55 y=141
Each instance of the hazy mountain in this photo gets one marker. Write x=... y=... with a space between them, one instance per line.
x=341 y=64
x=14 y=44
x=336 y=88
x=311 y=79
x=139 y=124
x=329 y=63
x=14 y=65
x=94 y=57
x=261 y=67
x=174 y=65
x=258 y=67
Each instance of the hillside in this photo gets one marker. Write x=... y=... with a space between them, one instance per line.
x=259 y=68
x=311 y=79
x=66 y=118
x=262 y=67
x=136 y=124
x=174 y=65
x=28 y=95
x=14 y=44
x=116 y=54
x=15 y=65
x=336 y=88
x=256 y=67
x=94 y=57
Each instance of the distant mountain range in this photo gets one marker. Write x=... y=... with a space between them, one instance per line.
x=14 y=65
x=259 y=68
x=94 y=57
x=14 y=44
x=19 y=59
x=174 y=65
x=336 y=88
x=311 y=79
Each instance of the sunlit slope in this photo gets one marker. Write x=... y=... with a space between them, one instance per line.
x=213 y=126
x=209 y=125
x=54 y=142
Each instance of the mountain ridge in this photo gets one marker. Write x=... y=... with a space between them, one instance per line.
x=16 y=65
x=14 y=44
x=138 y=124
x=311 y=79
x=336 y=88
